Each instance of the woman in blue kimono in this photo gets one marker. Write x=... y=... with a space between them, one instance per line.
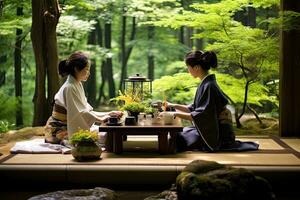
x=212 y=121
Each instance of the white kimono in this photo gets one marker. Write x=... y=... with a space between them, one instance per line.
x=80 y=114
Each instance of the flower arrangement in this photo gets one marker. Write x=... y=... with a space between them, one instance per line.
x=83 y=136
x=129 y=102
x=134 y=107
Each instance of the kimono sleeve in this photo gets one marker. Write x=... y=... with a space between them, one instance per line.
x=205 y=118
x=191 y=107
x=79 y=115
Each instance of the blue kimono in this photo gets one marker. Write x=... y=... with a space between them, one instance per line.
x=212 y=123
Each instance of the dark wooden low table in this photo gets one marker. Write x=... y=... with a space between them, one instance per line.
x=114 y=141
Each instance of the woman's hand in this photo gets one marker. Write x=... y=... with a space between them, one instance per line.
x=168 y=105
x=118 y=114
x=102 y=119
x=168 y=114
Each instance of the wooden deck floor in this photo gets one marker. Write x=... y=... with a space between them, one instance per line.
x=277 y=160
x=141 y=158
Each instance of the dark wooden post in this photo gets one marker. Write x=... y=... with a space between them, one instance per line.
x=289 y=76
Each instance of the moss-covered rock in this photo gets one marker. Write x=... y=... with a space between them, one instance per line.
x=207 y=180
x=83 y=194
x=202 y=166
x=210 y=180
x=165 y=195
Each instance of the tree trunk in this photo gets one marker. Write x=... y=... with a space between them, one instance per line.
x=2 y=73
x=181 y=35
x=199 y=41
x=151 y=34
x=236 y=113
x=2 y=77
x=18 y=73
x=1 y=7
x=103 y=65
x=103 y=77
x=128 y=52
x=91 y=82
x=237 y=119
x=251 y=21
x=109 y=66
x=123 y=52
x=255 y=114
x=245 y=100
x=240 y=16
x=289 y=76
x=45 y=15
x=181 y=30
x=188 y=39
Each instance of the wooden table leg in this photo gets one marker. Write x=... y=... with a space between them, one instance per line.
x=172 y=142
x=109 y=142
x=118 y=142
x=163 y=142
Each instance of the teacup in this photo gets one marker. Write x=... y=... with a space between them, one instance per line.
x=130 y=120
x=113 y=120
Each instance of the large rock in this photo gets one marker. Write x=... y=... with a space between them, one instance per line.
x=81 y=194
x=165 y=195
x=207 y=180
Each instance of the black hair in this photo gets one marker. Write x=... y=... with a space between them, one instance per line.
x=206 y=60
x=76 y=60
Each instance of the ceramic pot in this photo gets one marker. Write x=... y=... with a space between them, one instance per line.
x=85 y=151
x=134 y=114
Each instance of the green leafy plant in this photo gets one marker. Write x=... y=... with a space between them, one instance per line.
x=134 y=107
x=127 y=102
x=5 y=126
x=150 y=110
x=83 y=136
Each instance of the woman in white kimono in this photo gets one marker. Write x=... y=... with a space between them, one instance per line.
x=212 y=123
x=71 y=111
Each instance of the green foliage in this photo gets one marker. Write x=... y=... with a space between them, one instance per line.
x=150 y=110
x=134 y=107
x=181 y=87
x=288 y=20
x=84 y=136
x=5 y=126
x=71 y=32
x=243 y=51
x=235 y=89
x=7 y=106
x=244 y=46
x=178 y=88
x=175 y=67
x=129 y=102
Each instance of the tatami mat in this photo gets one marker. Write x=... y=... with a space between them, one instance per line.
x=139 y=143
x=141 y=164
x=143 y=151
x=293 y=143
x=178 y=159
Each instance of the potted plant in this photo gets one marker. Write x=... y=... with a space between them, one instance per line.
x=132 y=104
x=134 y=108
x=85 y=146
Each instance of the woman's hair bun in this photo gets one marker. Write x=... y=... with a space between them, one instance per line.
x=209 y=59
x=63 y=68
